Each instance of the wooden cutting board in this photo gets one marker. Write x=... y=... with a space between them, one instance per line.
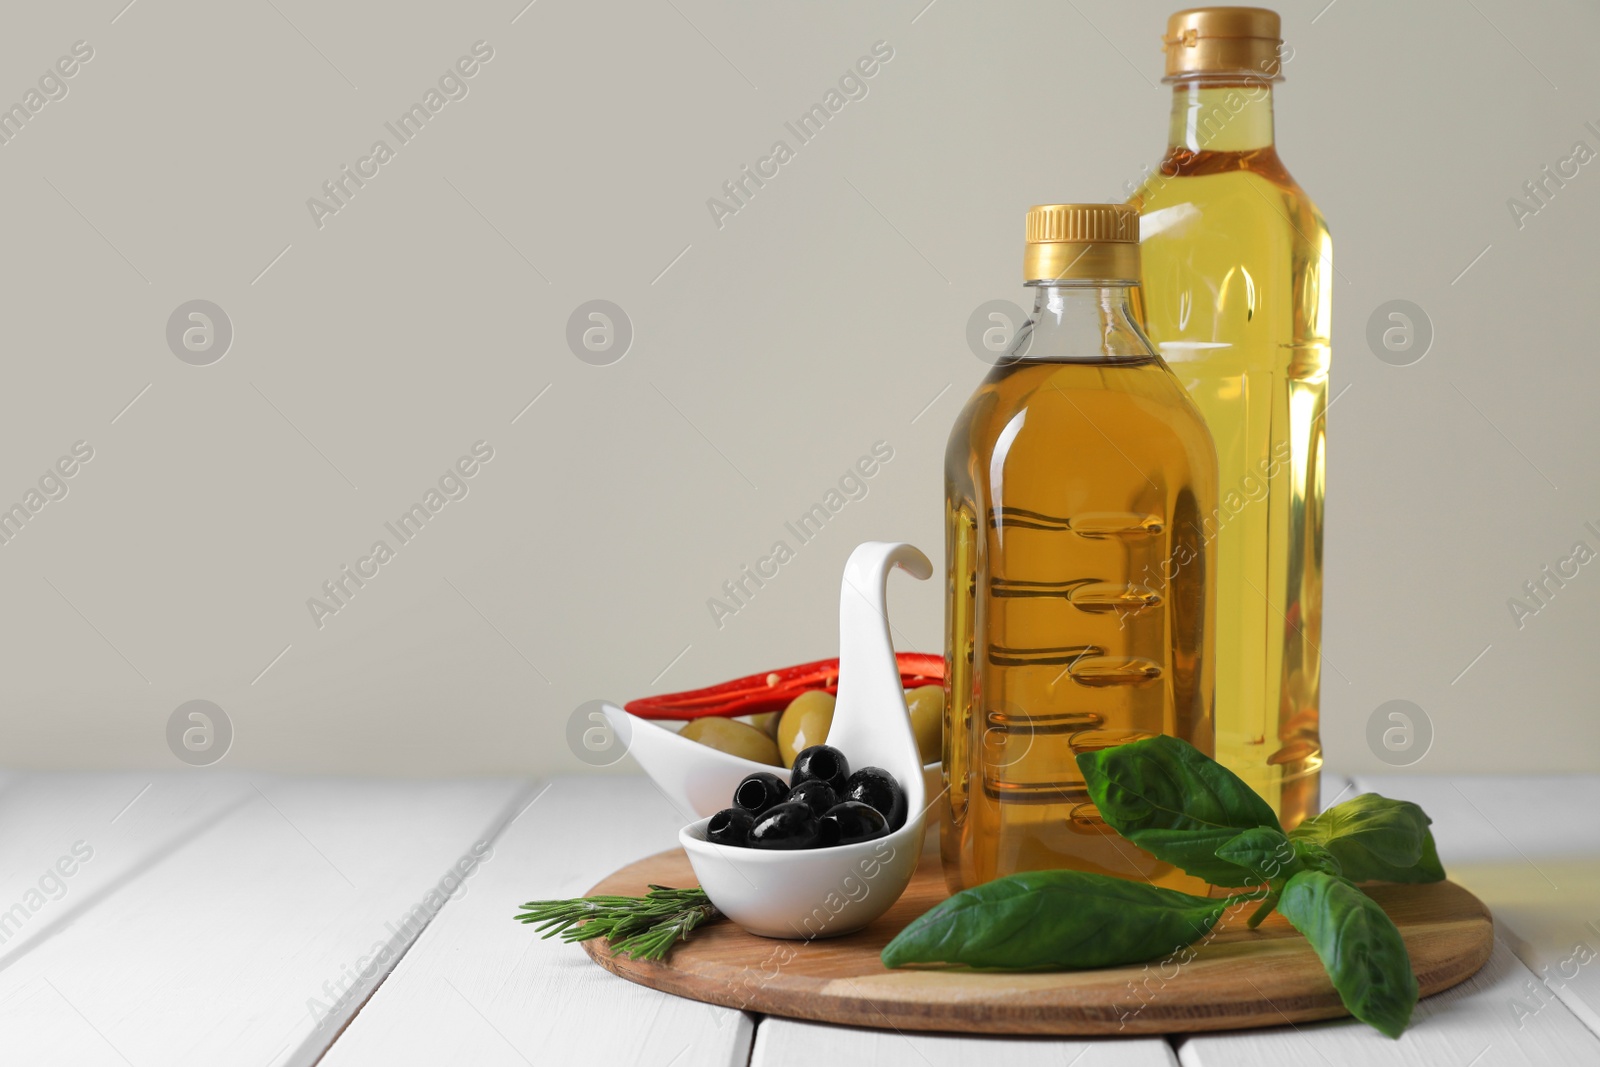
x=1241 y=978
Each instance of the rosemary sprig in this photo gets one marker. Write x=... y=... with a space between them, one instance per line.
x=644 y=928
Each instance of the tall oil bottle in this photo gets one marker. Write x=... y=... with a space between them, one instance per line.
x=1237 y=270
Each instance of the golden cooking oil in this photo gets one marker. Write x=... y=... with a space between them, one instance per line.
x=1080 y=597
x=1237 y=272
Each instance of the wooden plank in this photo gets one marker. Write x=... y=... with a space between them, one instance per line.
x=213 y=918
x=786 y=1043
x=479 y=988
x=104 y=829
x=1529 y=848
x=1471 y=1025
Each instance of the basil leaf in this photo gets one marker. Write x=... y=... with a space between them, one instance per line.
x=1175 y=802
x=1315 y=857
x=1359 y=946
x=1055 y=920
x=1264 y=851
x=1427 y=869
x=1375 y=839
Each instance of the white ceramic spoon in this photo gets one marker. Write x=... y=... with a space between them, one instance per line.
x=697 y=779
x=826 y=892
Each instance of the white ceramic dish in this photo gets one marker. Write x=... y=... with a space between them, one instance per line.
x=826 y=892
x=697 y=779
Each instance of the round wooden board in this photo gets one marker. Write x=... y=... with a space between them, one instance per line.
x=1240 y=978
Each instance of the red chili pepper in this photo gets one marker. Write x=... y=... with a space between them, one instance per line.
x=773 y=690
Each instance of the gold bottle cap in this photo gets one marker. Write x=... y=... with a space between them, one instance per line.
x=1224 y=40
x=1093 y=242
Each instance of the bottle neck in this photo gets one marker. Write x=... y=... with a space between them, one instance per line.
x=1082 y=322
x=1211 y=117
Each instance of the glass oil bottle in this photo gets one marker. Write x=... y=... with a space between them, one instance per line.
x=1237 y=272
x=1080 y=603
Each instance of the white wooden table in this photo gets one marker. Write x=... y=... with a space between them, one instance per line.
x=216 y=919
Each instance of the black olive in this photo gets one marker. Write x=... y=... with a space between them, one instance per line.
x=877 y=787
x=786 y=826
x=814 y=794
x=730 y=826
x=823 y=763
x=852 y=821
x=759 y=791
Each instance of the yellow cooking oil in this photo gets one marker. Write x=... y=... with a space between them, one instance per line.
x=1238 y=271
x=1080 y=597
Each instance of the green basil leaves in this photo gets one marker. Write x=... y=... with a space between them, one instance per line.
x=1055 y=920
x=1375 y=839
x=1265 y=852
x=1359 y=946
x=1176 y=803
x=1173 y=801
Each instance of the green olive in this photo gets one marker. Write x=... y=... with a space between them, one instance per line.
x=805 y=723
x=734 y=738
x=767 y=722
x=927 y=720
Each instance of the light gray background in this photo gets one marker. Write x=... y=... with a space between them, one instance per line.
x=768 y=355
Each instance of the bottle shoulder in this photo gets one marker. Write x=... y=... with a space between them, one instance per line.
x=1237 y=266
x=1097 y=425
x=1122 y=397
x=1187 y=178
